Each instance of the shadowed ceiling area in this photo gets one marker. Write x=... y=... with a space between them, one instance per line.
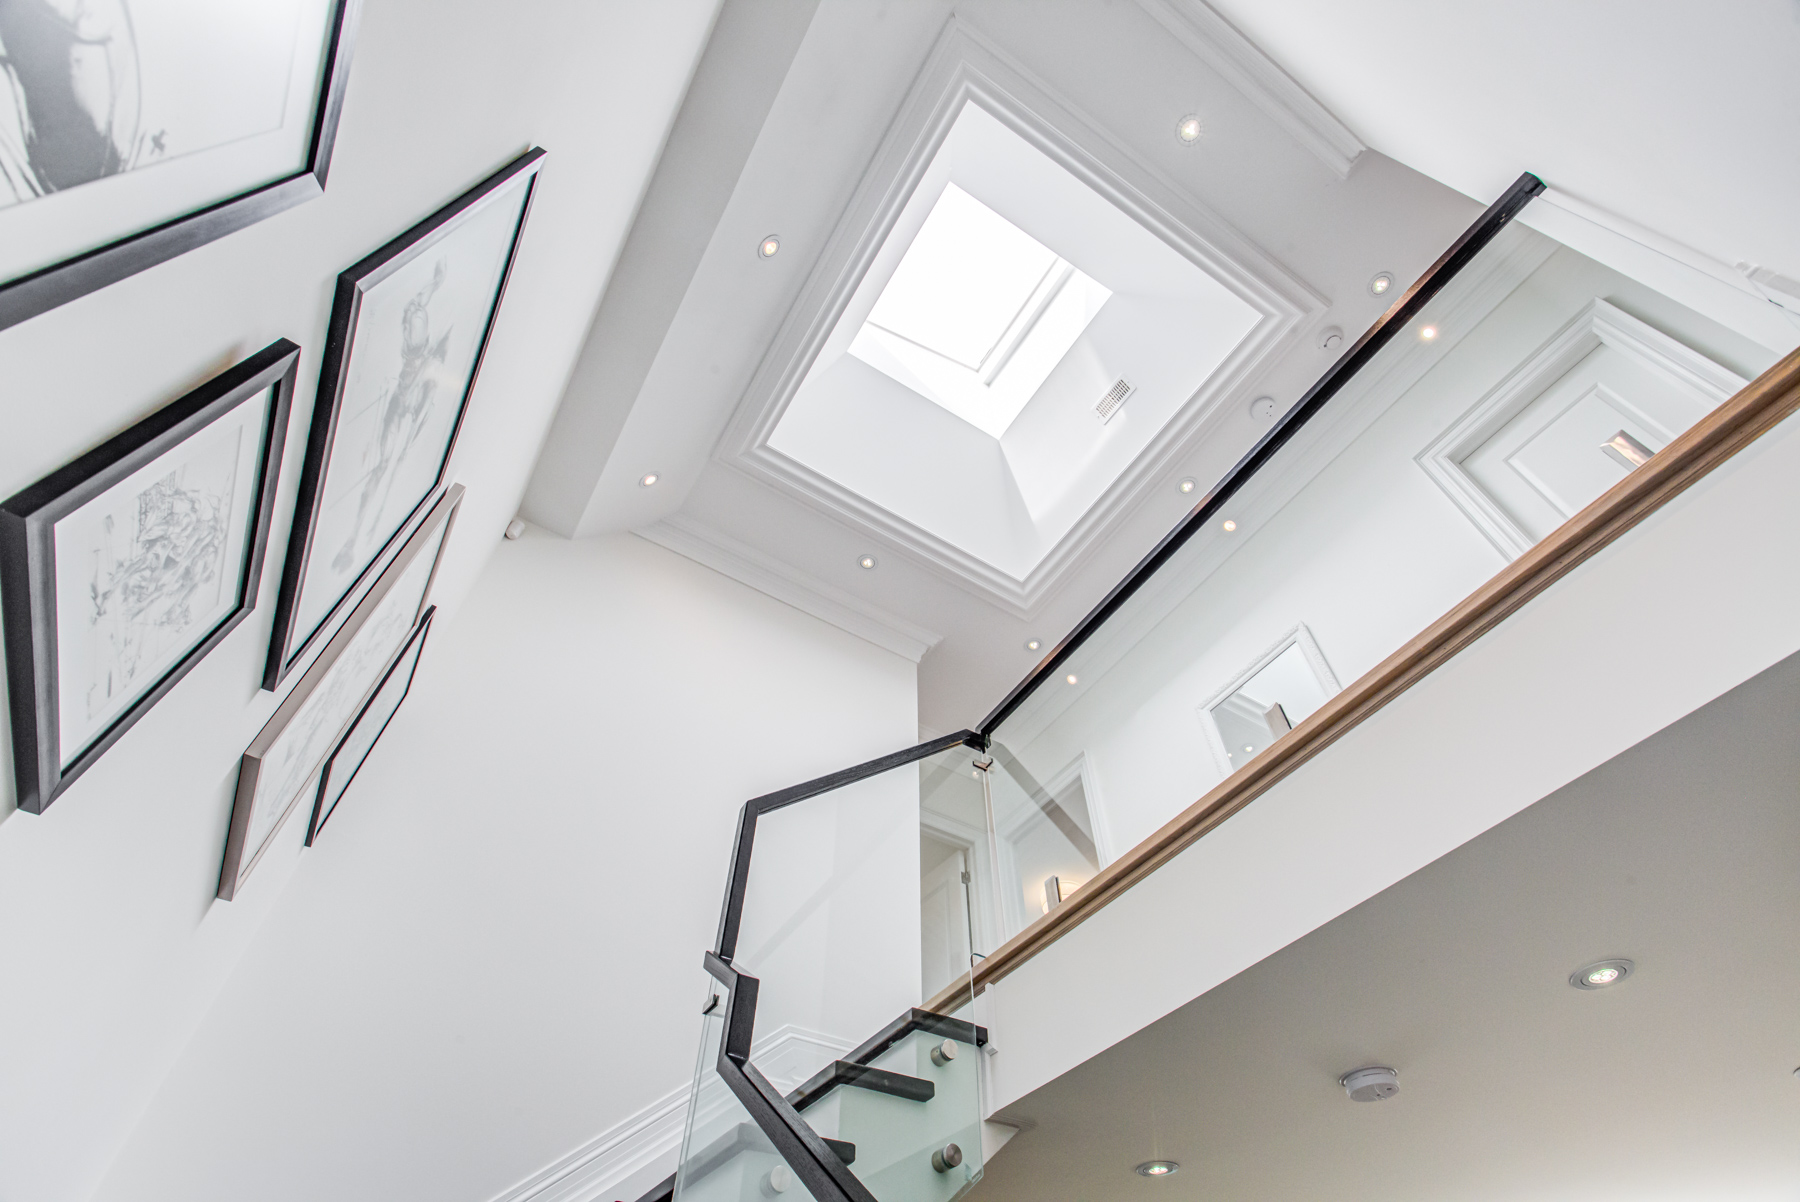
x=1676 y=1083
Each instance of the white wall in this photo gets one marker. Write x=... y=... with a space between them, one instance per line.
x=111 y=942
x=492 y=955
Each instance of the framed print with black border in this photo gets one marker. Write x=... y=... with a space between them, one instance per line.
x=132 y=131
x=346 y=760
x=409 y=328
x=120 y=571
x=286 y=754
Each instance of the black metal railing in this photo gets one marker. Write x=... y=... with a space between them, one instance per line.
x=822 y=1171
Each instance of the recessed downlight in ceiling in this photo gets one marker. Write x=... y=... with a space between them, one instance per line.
x=866 y=562
x=1228 y=525
x=648 y=479
x=1428 y=333
x=1600 y=974
x=1156 y=1168
x=1032 y=644
x=1189 y=129
x=1072 y=678
x=1381 y=283
x=1187 y=485
x=769 y=246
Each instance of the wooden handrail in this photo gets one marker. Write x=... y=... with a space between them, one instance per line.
x=1734 y=425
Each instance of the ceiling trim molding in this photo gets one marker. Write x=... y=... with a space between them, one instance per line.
x=965 y=67
x=1219 y=44
x=1481 y=288
x=745 y=564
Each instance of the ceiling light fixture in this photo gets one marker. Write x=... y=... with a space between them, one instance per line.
x=1600 y=974
x=866 y=562
x=1156 y=1168
x=1428 y=333
x=1072 y=678
x=1188 y=128
x=769 y=246
x=648 y=479
x=1229 y=525
x=1381 y=283
x=1032 y=644
x=1187 y=485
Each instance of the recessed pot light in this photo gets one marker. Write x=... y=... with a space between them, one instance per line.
x=1228 y=525
x=1187 y=485
x=1032 y=644
x=1156 y=1168
x=1600 y=974
x=769 y=246
x=866 y=562
x=1428 y=333
x=648 y=479
x=1072 y=678
x=1381 y=283
x=1189 y=129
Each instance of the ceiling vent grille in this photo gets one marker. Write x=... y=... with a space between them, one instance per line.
x=1113 y=400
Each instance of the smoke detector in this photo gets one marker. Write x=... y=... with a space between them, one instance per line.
x=1371 y=1084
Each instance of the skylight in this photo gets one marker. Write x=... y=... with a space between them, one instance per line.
x=977 y=313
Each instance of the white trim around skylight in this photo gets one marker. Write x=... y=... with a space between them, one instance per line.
x=965 y=67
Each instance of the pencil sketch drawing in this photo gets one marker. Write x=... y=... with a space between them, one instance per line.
x=399 y=414
x=149 y=569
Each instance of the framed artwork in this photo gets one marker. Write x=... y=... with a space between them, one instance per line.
x=287 y=752
x=132 y=131
x=119 y=572
x=409 y=326
x=347 y=758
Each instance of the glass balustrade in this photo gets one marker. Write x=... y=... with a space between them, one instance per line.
x=1535 y=380
x=859 y=902
x=1514 y=385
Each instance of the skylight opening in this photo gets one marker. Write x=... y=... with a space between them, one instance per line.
x=977 y=313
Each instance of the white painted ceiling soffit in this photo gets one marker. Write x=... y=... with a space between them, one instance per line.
x=700 y=347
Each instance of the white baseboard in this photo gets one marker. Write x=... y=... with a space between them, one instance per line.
x=618 y=1157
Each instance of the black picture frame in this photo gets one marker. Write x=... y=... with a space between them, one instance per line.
x=353 y=750
x=44 y=289
x=29 y=570
x=294 y=636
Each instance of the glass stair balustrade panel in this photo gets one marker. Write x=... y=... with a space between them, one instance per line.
x=1513 y=386
x=858 y=904
x=915 y=1120
x=725 y=1155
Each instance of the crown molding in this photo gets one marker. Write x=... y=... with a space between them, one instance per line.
x=766 y=574
x=1218 y=44
x=594 y=1171
x=966 y=67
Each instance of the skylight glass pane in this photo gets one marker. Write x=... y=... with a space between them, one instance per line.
x=967 y=275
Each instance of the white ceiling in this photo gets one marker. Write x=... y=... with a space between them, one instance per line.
x=1675 y=119
x=781 y=130
x=1680 y=117
x=1676 y=1084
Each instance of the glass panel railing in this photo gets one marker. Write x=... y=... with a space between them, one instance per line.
x=859 y=903
x=725 y=1155
x=1535 y=380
